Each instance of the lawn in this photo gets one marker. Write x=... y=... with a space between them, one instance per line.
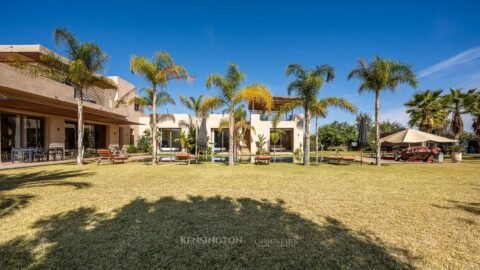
x=209 y=215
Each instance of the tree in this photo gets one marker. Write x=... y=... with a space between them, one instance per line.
x=231 y=94
x=320 y=109
x=158 y=72
x=306 y=87
x=458 y=104
x=378 y=76
x=85 y=62
x=337 y=134
x=474 y=109
x=262 y=141
x=241 y=126
x=275 y=137
x=427 y=110
x=390 y=126
x=197 y=106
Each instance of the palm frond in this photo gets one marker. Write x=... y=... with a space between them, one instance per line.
x=289 y=106
x=62 y=36
x=256 y=92
x=212 y=103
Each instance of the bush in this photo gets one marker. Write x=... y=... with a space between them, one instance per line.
x=132 y=149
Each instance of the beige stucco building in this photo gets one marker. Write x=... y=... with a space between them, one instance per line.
x=38 y=112
x=42 y=113
x=210 y=134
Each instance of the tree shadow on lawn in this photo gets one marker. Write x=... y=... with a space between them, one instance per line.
x=201 y=232
x=11 y=203
x=471 y=207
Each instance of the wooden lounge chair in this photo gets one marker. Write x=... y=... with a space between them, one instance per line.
x=340 y=160
x=263 y=159
x=186 y=157
x=107 y=156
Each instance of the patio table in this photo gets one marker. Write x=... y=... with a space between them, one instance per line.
x=54 y=151
x=21 y=151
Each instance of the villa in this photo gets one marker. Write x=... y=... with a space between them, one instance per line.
x=211 y=135
x=42 y=113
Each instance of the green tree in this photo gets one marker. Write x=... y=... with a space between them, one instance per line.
x=85 y=62
x=458 y=104
x=378 y=76
x=390 y=126
x=231 y=94
x=199 y=109
x=275 y=137
x=241 y=126
x=306 y=87
x=320 y=109
x=474 y=110
x=427 y=110
x=158 y=72
x=337 y=134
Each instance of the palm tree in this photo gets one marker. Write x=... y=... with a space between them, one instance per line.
x=320 y=110
x=275 y=137
x=231 y=94
x=378 y=76
x=158 y=72
x=458 y=104
x=241 y=126
x=474 y=110
x=199 y=109
x=81 y=71
x=306 y=87
x=427 y=110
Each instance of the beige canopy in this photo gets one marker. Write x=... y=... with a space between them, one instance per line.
x=414 y=136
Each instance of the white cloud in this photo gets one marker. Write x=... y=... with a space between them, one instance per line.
x=461 y=58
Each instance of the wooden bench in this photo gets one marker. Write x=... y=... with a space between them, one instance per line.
x=340 y=160
x=263 y=159
x=186 y=157
x=107 y=156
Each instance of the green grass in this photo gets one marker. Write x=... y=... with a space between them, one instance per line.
x=279 y=216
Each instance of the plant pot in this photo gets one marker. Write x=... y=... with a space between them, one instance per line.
x=456 y=157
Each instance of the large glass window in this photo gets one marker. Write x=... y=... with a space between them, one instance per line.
x=10 y=133
x=220 y=140
x=94 y=136
x=34 y=131
x=285 y=141
x=170 y=139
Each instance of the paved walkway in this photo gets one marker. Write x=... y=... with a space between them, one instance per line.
x=9 y=165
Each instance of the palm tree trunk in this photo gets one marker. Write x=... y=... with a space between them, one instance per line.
x=154 y=126
x=377 y=127
x=80 y=128
x=231 y=126
x=316 y=138
x=306 y=154
x=196 y=135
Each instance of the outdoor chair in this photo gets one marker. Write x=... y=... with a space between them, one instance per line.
x=40 y=154
x=185 y=157
x=263 y=159
x=347 y=160
x=105 y=155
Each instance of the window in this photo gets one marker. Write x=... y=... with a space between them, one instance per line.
x=136 y=107
x=10 y=133
x=220 y=140
x=34 y=131
x=170 y=139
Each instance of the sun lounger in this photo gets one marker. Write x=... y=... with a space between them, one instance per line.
x=263 y=159
x=340 y=160
x=186 y=157
x=106 y=155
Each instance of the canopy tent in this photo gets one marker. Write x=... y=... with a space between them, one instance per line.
x=414 y=136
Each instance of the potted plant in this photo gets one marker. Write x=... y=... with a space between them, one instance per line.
x=457 y=153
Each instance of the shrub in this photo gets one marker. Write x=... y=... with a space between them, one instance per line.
x=132 y=149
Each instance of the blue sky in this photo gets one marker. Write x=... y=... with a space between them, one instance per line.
x=440 y=39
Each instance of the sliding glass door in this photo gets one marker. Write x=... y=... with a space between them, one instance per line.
x=170 y=139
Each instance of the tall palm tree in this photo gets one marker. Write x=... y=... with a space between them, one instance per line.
x=378 y=76
x=158 y=72
x=306 y=87
x=320 y=110
x=81 y=70
x=458 y=104
x=231 y=94
x=241 y=127
x=427 y=110
x=197 y=106
x=474 y=110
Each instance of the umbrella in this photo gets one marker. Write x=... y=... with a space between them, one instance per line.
x=362 y=137
x=414 y=136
